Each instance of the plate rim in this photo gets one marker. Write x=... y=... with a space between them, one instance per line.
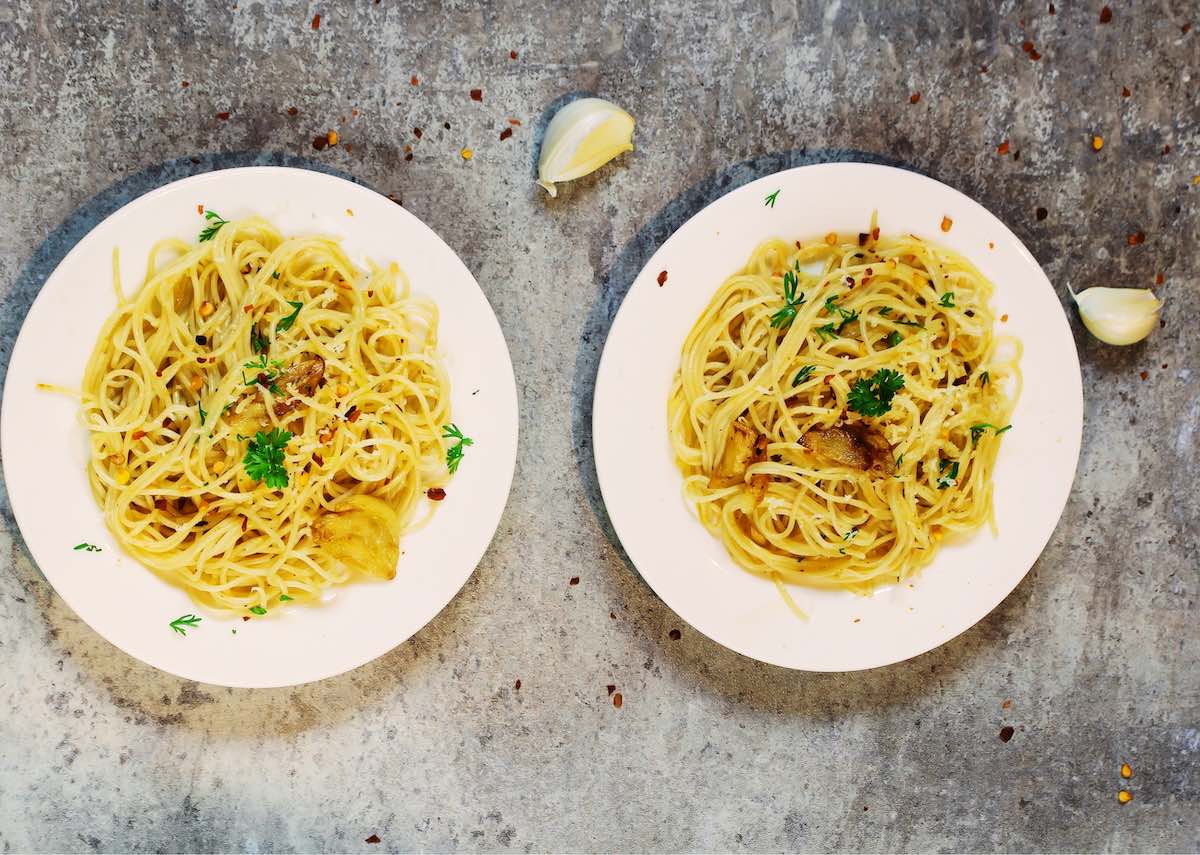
x=7 y=417
x=605 y=367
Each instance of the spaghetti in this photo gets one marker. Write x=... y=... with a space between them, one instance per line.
x=839 y=407
x=264 y=417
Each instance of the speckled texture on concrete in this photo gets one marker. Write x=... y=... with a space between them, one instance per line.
x=432 y=747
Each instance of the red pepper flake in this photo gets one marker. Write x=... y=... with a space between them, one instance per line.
x=611 y=688
x=407 y=149
x=374 y=838
x=1002 y=149
x=184 y=84
x=517 y=685
x=991 y=245
x=612 y=615
x=291 y=111
x=1006 y=733
x=316 y=24
x=408 y=156
x=247 y=308
x=662 y=279
x=138 y=434
x=1004 y=318
x=413 y=80
x=1186 y=28
x=1125 y=93
x=983 y=69
x=417 y=132
x=199 y=209
x=947 y=223
x=1166 y=149
x=515 y=122
x=1136 y=238
x=320 y=142
x=875 y=233
x=353 y=413
x=245 y=617
x=914 y=98
x=435 y=494
x=674 y=635
x=1145 y=375
x=1027 y=46
x=354 y=113
x=1105 y=15
x=1051 y=10
x=476 y=94
x=1007 y=703
x=574 y=580
x=1164 y=365
x=1158 y=280
x=506 y=133
x=223 y=116
x=512 y=54
x=618 y=701
x=1041 y=213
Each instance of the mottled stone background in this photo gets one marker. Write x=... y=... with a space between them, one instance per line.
x=431 y=747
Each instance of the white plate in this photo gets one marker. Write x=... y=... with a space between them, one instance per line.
x=45 y=447
x=688 y=567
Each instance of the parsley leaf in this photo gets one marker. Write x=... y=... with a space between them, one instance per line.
x=787 y=314
x=454 y=453
x=984 y=379
x=183 y=623
x=803 y=374
x=827 y=331
x=949 y=470
x=947 y=301
x=88 y=547
x=215 y=221
x=203 y=413
x=770 y=200
x=275 y=275
x=885 y=311
x=909 y=323
x=264 y=458
x=894 y=339
x=286 y=323
x=873 y=397
x=266 y=373
x=258 y=610
x=259 y=342
x=283 y=598
x=978 y=429
x=850 y=534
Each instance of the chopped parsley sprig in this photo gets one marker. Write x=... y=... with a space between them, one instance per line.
x=286 y=322
x=264 y=458
x=770 y=200
x=454 y=453
x=947 y=301
x=793 y=301
x=215 y=221
x=949 y=473
x=977 y=430
x=873 y=397
x=266 y=373
x=87 y=547
x=803 y=374
x=183 y=623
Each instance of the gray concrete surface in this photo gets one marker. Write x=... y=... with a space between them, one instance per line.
x=1092 y=661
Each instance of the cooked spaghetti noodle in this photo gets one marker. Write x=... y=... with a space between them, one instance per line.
x=265 y=417
x=801 y=450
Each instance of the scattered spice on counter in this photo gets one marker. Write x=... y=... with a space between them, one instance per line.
x=1041 y=213
x=417 y=132
x=506 y=133
x=374 y=838
x=320 y=142
x=1145 y=375
x=1136 y=238
x=413 y=80
x=200 y=209
x=1006 y=733
x=446 y=125
x=1125 y=93
x=611 y=688
x=435 y=494
x=407 y=149
x=467 y=154
x=618 y=700
x=1007 y=703
x=291 y=111
x=1105 y=15
x=1097 y=143
x=184 y=84
x=1126 y=771
x=1158 y=280
x=1051 y=10
x=512 y=54
x=1002 y=149
x=612 y=615
x=332 y=137
x=662 y=279
x=517 y=685
x=223 y=115
x=1186 y=28
x=1124 y=796
x=1166 y=149
x=408 y=156
x=573 y=581
x=947 y=224
x=516 y=122
x=316 y=21
x=991 y=244
x=476 y=94
x=1030 y=50
x=1004 y=318
x=674 y=635
x=914 y=98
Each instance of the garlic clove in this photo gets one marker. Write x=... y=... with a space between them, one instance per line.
x=1118 y=315
x=583 y=136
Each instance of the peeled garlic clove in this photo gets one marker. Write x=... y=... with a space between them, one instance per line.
x=583 y=136
x=1118 y=315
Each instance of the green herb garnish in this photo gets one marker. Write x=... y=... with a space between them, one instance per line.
x=873 y=397
x=949 y=470
x=215 y=222
x=264 y=458
x=850 y=534
x=847 y=315
x=978 y=429
x=947 y=301
x=454 y=453
x=266 y=373
x=894 y=338
x=283 y=598
x=183 y=623
x=803 y=374
x=258 y=610
x=984 y=379
x=88 y=547
x=787 y=314
x=286 y=323
x=275 y=275
x=259 y=342
x=203 y=413
x=770 y=200
x=909 y=323
x=885 y=311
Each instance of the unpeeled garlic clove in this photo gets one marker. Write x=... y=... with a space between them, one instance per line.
x=1118 y=315
x=583 y=136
